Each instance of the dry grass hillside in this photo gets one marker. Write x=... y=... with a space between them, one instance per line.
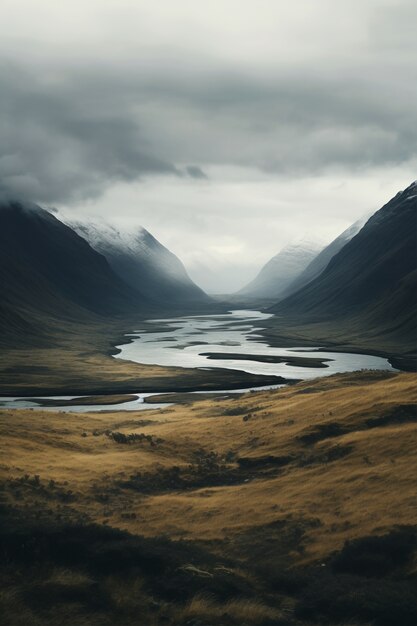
x=269 y=506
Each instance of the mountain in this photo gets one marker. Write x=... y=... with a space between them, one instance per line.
x=143 y=263
x=320 y=262
x=281 y=270
x=372 y=281
x=48 y=269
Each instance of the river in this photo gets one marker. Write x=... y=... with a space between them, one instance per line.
x=229 y=341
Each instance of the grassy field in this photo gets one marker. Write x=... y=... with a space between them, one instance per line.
x=294 y=506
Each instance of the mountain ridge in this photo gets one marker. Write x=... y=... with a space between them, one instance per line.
x=320 y=262
x=49 y=271
x=372 y=279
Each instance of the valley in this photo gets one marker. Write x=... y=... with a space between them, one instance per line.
x=173 y=458
x=80 y=361
x=176 y=354
x=208 y=313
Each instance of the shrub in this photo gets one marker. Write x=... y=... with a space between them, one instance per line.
x=343 y=598
x=377 y=556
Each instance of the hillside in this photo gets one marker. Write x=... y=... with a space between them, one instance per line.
x=370 y=285
x=265 y=509
x=143 y=263
x=63 y=309
x=48 y=271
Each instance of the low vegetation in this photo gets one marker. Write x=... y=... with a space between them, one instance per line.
x=293 y=507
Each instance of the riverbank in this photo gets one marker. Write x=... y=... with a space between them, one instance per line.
x=344 y=336
x=79 y=361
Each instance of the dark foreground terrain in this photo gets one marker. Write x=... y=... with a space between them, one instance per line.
x=74 y=573
x=288 y=507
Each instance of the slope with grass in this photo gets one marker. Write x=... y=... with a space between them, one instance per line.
x=294 y=506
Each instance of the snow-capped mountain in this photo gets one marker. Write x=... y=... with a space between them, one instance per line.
x=320 y=262
x=142 y=262
x=280 y=271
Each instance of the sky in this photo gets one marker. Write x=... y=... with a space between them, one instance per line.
x=227 y=128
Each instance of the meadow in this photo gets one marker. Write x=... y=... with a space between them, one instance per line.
x=292 y=506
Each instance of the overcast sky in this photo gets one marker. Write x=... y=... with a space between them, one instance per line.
x=227 y=128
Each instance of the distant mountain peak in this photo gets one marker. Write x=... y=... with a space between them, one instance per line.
x=141 y=260
x=282 y=269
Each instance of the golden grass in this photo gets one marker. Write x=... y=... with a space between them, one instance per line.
x=247 y=611
x=370 y=487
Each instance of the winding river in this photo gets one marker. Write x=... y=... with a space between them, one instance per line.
x=229 y=341
x=192 y=342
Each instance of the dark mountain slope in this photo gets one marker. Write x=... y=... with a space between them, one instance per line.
x=143 y=262
x=372 y=279
x=46 y=268
x=320 y=262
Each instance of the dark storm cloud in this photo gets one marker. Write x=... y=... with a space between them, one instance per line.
x=196 y=172
x=72 y=126
x=57 y=146
x=301 y=124
x=63 y=141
